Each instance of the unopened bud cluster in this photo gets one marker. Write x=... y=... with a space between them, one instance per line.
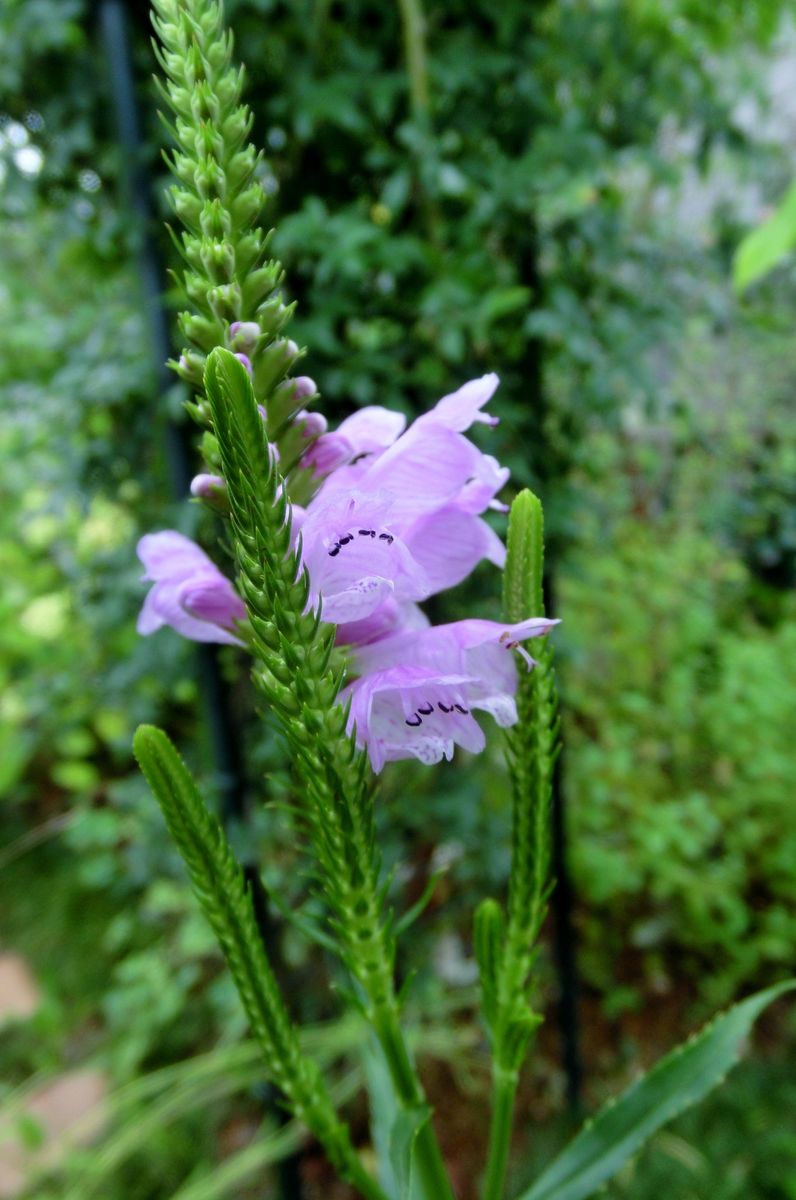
x=230 y=285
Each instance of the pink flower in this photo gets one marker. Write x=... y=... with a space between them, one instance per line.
x=190 y=594
x=417 y=689
x=366 y=432
x=421 y=492
x=354 y=561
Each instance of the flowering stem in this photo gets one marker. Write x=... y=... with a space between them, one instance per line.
x=226 y=900
x=504 y=1088
x=507 y=945
x=427 y=1160
x=292 y=648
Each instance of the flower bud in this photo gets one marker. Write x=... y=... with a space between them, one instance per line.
x=224 y=300
x=243 y=335
x=313 y=424
x=203 y=486
x=244 y=358
x=190 y=366
x=304 y=387
x=211 y=490
x=329 y=452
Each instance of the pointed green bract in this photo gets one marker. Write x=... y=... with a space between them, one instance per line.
x=227 y=903
x=681 y=1079
x=489 y=932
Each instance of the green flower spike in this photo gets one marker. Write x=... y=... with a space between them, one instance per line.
x=506 y=944
x=232 y=288
x=227 y=903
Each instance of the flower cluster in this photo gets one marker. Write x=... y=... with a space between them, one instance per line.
x=396 y=516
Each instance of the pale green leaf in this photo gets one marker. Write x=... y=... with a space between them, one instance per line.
x=406 y=1127
x=681 y=1079
x=765 y=247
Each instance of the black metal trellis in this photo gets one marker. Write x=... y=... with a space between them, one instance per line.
x=228 y=764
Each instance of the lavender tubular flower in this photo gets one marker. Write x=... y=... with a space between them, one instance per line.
x=190 y=594
x=403 y=519
x=367 y=432
x=417 y=689
x=354 y=561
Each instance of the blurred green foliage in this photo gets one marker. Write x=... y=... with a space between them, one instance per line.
x=495 y=206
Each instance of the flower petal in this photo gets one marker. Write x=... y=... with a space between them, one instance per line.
x=372 y=428
x=449 y=543
x=357 y=601
x=169 y=554
x=424 y=470
x=390 y=617
x=460 y=409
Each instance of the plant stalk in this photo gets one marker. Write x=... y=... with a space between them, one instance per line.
x=504 y=1088
x=414 y=31
x=427 y=1157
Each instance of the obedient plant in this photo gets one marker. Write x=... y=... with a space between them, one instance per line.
x=338 y=537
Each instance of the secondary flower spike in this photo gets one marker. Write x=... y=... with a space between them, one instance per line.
x=417 y=690
x=190 y=594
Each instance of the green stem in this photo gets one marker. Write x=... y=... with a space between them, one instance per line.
x=413 y=23
x=364 y=1183
x=427 y=1157
x=414 y=30
x=504 y=1087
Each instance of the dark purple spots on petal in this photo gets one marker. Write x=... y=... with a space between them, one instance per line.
x=426 y=709
x=414 y=720
x=464 y=711
x=444 y=708
x=335 y=550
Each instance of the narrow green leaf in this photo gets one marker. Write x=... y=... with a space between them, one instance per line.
x=384 y=1107
x=765 y=247
x=407 y=919
x=522 y=578
x=394 y=1129
x=403 y=1136
x=680 y=1080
